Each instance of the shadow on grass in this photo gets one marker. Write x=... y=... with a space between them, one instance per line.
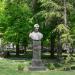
x=25 y=56
x=44 y=56
x=28 y=56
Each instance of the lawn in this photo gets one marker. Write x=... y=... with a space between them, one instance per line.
x=9 y=67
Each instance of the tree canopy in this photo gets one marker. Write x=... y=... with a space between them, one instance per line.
x=17 y=18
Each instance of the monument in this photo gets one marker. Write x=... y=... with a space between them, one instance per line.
x=36 y=37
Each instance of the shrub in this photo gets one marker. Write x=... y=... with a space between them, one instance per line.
x=51 y=66
x=67 y=63
x=20 y=67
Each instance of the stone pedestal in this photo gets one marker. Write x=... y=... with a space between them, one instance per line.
x=36 y=64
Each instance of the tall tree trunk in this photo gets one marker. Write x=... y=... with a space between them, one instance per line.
x=65 y=13
x=34 y=6
x=59 y=51
x=35 y=9
x=52 y=45
x=17 y=49
x=25 y=48
x=25 y=44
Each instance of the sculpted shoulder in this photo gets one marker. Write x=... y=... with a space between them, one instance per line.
x=36 y=35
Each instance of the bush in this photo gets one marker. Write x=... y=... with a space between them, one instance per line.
x=20 y=67
x=51 y=66
x=67 y=63
x=58 y=65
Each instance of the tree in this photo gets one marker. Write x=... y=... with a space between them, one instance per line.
x=51 y=17
x=52 y=14
x=18 y=23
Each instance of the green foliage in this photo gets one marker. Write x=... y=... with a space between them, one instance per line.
x=61 y=28
x=20 y=67
x=50 y=4
x=18 y=21
x=65 y=36
x=58 y=65
x=51 y=66
x=67 y=63
x=51 y=15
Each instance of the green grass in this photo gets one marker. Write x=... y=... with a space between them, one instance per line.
x=9 y=67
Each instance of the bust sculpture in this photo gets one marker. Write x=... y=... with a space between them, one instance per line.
x=36 y=35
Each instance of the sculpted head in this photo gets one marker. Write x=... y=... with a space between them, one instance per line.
x=36 y=27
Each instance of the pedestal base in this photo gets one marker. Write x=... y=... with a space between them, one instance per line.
x=36 y=65
x=36 y=68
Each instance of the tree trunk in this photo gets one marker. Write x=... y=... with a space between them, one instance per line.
x=34 y=9
x=52 y=46
x=17 y=49
x=65 y=13
x=59 y=51
x=34 y=6
x=25 y=48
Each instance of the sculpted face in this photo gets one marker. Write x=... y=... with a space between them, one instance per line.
x=36 y=27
